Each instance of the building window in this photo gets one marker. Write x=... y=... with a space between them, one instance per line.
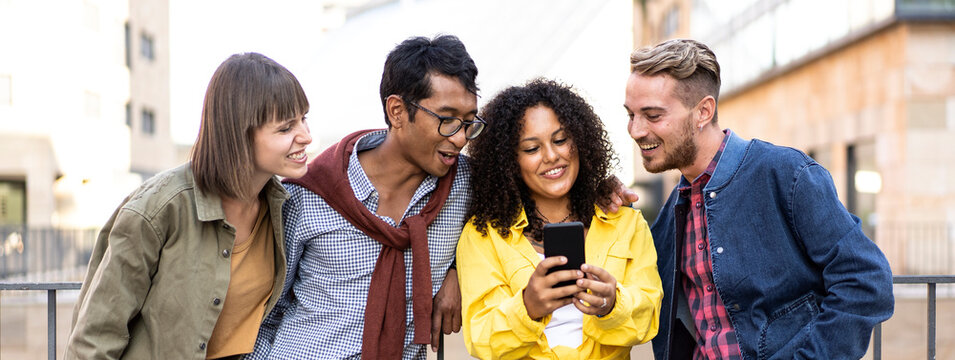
x=148 y=122
x=13 y=202
x=147 y=47
x=864 y=182
x=6 y=90
x=129 y=46
x=129 y=115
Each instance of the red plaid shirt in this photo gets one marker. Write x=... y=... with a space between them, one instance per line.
x=714 y=330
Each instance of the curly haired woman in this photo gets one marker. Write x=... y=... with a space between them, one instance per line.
x=528 y=172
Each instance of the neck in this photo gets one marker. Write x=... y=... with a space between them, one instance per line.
x=708 y=141
x=387 y=168
x=553 y=210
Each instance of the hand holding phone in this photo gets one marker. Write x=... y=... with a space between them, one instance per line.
x=565 y=239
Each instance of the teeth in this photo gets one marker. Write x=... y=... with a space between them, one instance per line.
x=649 y=146
x=554 y=172
x=297 y=156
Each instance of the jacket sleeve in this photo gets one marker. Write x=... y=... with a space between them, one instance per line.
x=294 y=246
x=856 y=274
x=496 y=324
x=115 y=290
x=635 y=317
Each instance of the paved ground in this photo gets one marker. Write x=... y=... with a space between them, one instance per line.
x=23 y=331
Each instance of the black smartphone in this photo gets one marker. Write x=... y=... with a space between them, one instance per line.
x=565 y=239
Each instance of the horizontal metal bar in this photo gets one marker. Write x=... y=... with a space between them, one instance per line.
x=923 y=279
x=40 y=286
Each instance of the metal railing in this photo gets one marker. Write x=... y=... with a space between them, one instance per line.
x=51 y=289
x=930 y=281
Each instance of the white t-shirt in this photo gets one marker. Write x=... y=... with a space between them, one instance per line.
x=566 y=326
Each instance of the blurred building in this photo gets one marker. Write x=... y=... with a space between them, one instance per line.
x=866 y=87
x=84 y=107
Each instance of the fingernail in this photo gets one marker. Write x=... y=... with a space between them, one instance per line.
x=563 y=259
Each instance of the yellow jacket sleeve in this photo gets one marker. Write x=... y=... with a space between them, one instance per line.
x=496 y=323
x=632 y=259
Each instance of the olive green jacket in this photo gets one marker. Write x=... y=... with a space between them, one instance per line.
x=159 y=272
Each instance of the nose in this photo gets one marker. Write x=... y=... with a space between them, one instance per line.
x=459 y=139
x=550 y=153
x=637 y=127
x=305 y=135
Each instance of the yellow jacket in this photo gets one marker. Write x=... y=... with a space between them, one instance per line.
x=493 y=271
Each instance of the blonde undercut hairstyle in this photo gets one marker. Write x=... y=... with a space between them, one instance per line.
x=246 y=92
x=690 y=62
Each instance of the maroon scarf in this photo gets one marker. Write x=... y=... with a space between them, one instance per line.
x=385 y=326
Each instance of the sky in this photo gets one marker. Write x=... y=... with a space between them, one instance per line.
x=583 y=43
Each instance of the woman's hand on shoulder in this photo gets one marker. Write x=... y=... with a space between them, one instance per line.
x=540 y=298
x=602 y=296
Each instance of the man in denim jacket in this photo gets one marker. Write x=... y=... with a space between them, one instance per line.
x=758 y=257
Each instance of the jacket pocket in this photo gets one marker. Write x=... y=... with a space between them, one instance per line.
x=788 y=328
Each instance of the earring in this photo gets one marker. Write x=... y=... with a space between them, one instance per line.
x=701 y=127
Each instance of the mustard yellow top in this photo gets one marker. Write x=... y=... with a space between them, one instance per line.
x=493 y=271
x=249 y=288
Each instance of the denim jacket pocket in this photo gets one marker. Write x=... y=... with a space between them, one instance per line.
x=788 y=328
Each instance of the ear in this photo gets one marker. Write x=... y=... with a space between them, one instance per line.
x=397 y=113
x=706 y=108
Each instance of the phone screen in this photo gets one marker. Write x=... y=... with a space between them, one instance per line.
x=566 y=239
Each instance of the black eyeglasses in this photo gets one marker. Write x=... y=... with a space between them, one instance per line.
x=449 y=125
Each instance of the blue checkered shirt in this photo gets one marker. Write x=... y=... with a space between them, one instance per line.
x=321 y=312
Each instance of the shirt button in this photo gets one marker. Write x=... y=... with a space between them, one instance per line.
x=700 y=246
x=719 y=250
x=708 y=288
x=216 y=301
x=225 y=253
x=202 y=346
x=712 y=194
x=699 y=204
x=736 y=307
x=713 y=327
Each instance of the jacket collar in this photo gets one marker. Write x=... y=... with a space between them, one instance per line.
x=209 y=206
x=729 y=163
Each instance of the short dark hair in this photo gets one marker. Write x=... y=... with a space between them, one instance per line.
x=409 y=66
x=246 y=92
x=499 y=192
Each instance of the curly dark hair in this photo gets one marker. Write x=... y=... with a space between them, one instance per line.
x=499 y=192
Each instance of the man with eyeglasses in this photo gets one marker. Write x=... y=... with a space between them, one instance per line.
x=367 y=200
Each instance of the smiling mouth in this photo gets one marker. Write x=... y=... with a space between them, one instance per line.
x=648 y=146
x=554 y=171
x=448 y=155
x=297 y=156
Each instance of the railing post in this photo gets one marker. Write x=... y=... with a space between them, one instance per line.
x=51 y=324
x=877 y=342
x=931 y=321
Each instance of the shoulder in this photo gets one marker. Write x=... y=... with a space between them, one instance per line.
x=172 y=187
x=776 y=155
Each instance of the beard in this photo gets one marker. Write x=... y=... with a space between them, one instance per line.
x=681 y=153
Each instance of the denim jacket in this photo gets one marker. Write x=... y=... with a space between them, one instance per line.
x=798 y=277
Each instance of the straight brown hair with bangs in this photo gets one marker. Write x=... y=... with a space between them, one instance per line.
x=247 y=91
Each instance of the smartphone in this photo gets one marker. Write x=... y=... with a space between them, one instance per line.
x=565 y=239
